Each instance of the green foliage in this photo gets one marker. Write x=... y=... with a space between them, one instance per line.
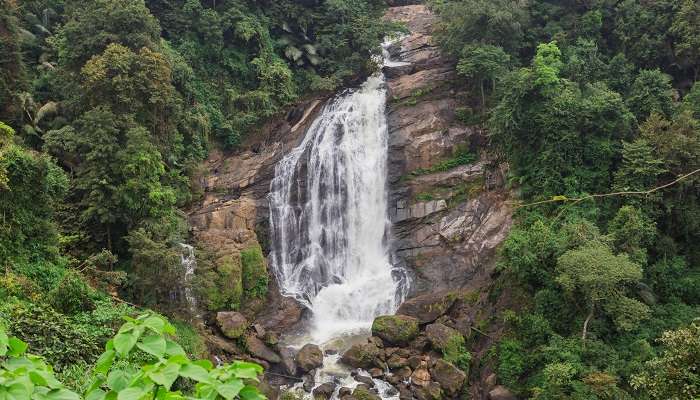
x=455 y=352
x=511 y=362
x=462 y=156
x=50 y=333
x=673 y=374
x=650 y=93
x=29 y=377
x=254 y=272
x=72 y=294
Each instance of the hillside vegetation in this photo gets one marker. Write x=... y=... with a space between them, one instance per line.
x=593 y=105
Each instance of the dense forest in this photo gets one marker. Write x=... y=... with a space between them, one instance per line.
x=594 y=106
x=108 y=107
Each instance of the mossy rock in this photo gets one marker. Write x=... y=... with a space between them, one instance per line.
x=395 y=329
x=254 y=269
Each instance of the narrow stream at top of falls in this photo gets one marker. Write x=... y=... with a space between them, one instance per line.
x=329 y=224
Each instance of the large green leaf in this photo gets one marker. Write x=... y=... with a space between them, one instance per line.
x=132 y=393
x=104 y=363
x=154 y=344
x=250 y=393
x=118 y=380
x=165 y=375
x=62 y=394
x=230 y=389
x=124 y=342
x=194 y=372
x=173 y=349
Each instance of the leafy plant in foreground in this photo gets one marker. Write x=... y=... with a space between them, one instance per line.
x=25 y=376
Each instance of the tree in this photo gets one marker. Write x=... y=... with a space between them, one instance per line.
x=499 y=23
x=685 y=30
x=593 y=273
x=650 y=93
x=674 y=374
x=92 y=26
x=118 y=173
x=483 y=63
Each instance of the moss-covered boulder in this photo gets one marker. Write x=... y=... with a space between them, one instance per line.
x=232 y=324
x=254 y=269
x=395 y=329
x=363 y=356
x=429 y=307
x=363 y=393
x=441 y=337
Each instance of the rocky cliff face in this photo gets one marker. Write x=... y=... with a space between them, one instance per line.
x=447 y=222
x=448 y=210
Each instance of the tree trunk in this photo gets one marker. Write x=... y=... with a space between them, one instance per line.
x=585 y=324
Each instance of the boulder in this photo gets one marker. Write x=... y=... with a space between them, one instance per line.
x=376 y=372
x=233 y=324
x=288 y=361
x=432 y=391
x=363 y=356
x=501 y=393
x=403 y=373
x=362 y=393
x=450 y=378
x=429 y=307
x=309 y=357
x=420 y=377
x=259 y=349
x=324 y=391
x=308 y=382
x=443 y=337
x=395 y=329
x=344 y=391
x=396 y=361
x=365 y=379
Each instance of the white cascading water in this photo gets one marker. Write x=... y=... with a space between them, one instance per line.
x=328 y=217
x=189 y=263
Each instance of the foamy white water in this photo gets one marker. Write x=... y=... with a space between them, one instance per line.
x=328 y=217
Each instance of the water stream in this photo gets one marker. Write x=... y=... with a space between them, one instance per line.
x=330 y=230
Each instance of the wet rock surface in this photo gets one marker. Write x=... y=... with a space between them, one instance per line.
x=395 y=329
x=309 y=357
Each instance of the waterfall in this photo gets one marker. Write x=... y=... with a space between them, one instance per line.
x=189 y=263
x=329 y=224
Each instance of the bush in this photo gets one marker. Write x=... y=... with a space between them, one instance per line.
x=511 y=362
x=51 y=334
x=72 y=294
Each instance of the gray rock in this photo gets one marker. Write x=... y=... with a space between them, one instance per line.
x=363 y=356
x=288 y=361
x=427 y=308
x=343 y=391
x=309 y=382
x=309 y=357
x=365 y=379
x=258 y=349
x=324 y=391
x=450 y=378
x=432 y=391
x=441 y=336
x=233 y=324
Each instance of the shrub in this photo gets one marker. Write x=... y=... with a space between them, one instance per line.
x=72 y=294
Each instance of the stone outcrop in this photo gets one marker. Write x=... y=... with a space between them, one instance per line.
x=231 y=323
x=447 y=223
x=428 y=307
x=395 y=329
x=310 y=357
